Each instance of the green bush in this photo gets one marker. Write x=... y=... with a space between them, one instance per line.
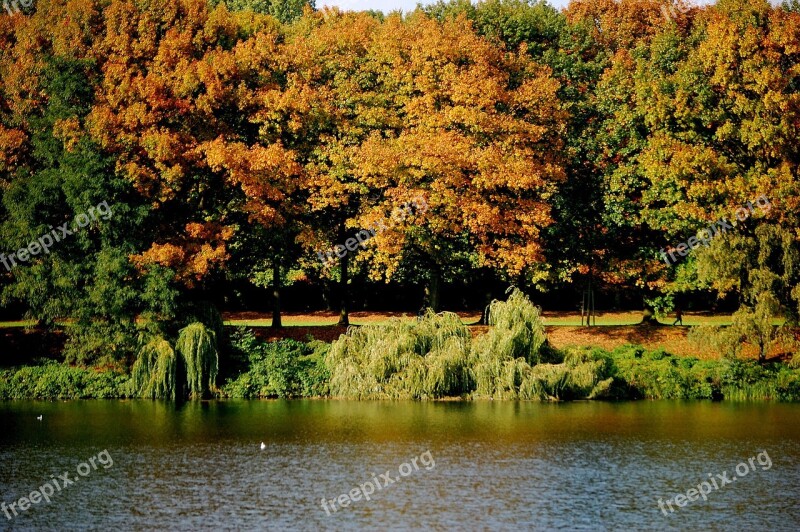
x=432 y=357
x=584 y=373
x=52 y=380
x=280 y=369
x=100 y=343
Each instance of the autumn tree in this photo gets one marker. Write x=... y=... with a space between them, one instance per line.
x=480 y=142
x=168 y=88
x=625 y=246
x=717 y=115
x=331 y=96
x=256 y=155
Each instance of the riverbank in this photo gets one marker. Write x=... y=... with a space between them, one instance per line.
x=290 y=369
x=434 y=356
x=22 y=347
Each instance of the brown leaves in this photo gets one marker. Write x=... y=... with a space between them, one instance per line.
x=267 y=175
x=193 y=255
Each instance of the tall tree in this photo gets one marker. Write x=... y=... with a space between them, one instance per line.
x=480 y=143
x=57 y=177
x=332 y=98
x=168 y=88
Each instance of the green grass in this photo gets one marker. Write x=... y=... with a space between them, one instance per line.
x=287 y=322
x=614 y=320
x=600 y=321
x=15 y=324
x=303 y=321
x=559 y=321
x=622 y=321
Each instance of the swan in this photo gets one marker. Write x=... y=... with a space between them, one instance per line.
x=263 y=446
x=39 y=417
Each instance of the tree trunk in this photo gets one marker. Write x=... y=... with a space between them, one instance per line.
x=276 y=294
x=328 y=295
x=649 y=316
x=344 y=318
x=485 y=314
x=434 y=290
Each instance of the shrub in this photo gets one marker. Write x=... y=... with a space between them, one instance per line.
x=100 y=343
x=280 y=369
x=422 y=359
x=52 y=381
x=584 y=373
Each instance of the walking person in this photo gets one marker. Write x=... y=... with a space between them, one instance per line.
x=678 y=316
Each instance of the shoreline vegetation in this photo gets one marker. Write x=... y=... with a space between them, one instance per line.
x=435 y=357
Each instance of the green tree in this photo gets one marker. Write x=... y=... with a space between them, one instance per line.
x=284 y=10
x=86 y=275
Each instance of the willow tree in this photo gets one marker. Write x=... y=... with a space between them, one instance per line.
x=154 y=374
x=197 y=347
x=161 y=371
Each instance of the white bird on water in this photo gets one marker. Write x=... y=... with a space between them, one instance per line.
x=40 y=417
x=263 y=446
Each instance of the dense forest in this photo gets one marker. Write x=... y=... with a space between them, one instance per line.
x=162 y=160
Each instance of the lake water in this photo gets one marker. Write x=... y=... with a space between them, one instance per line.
x=479 y=466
